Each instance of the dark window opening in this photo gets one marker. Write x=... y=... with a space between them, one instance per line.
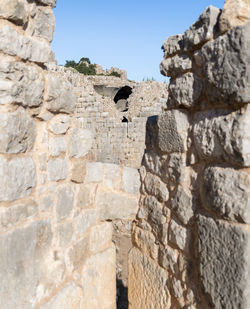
x=121 y=98
x=124 y=119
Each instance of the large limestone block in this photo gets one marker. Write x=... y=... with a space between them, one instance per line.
x=14 y=10
x=130 y=180
x=13 y=215
x=80 y=142
x=146 y=242
x=178 y=235
x=203 y=29
x=223 y=136
x=147 y=283
x=77 y=254
x=224 y=251
x=176 y=65
x=58 y=169
x=227 y=66
x=17 y=178
x=94 y=172
x=51 y=3
x=42 y=24
x=227 y=191
x=156 y=187
x=27 y=48
x=168 y=132
x=59 y=96
x=59 y=124
x=185 y=90
x=20 y=83
x=85 y=220
x=100 y=237
x=113 y=205
x=68 y=298
x=65 y=202
x=17 y=132
x=99 y=281
x=235 y=13
x=112 y=176
x=200 y=32
x=57 y=145
x=23 y=258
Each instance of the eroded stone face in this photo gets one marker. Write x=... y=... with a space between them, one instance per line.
x=99 y=272
x=17 y=132
x=226 y=191
x=221 y=135
x=224 y=262
x=147 y=283
x=17 y=178
x=227 y=74
x=59 y=97
x=20 y=270
x=14 y=10
x=235 y=13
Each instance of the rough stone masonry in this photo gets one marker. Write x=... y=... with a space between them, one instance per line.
x=191 y=237
x=71 y=197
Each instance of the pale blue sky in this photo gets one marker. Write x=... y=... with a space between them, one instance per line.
x=125 y=34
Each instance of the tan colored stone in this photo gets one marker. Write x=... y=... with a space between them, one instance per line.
x=147 y=283
x=78 y=171
x=99 y=281
x=235 y=13
x=100 y=237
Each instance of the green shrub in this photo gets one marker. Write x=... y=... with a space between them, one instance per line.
x=84 y=66
x=116 y=74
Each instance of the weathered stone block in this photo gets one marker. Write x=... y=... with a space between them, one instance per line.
x=130 y=180
x=77 y=254
x=178 y=235
x=168 y=132
x=145 y=241
x=58 y=169
x=27 y=48
x=10 y=216
x=112 y=205
x=94 y=172
x=176 y=65
x=223 y=136
x=235 y=13
x=46 y=203
x=186 y=90
x=168 y=259
x=173 y=45
x=227 y=67
x=182 y=205
x=156 y=187
x=17 y=178
x=80 y=142
x=14 y=10
x=59 y=97
x=57 y=145
x=51 y=3
x=65 y=202
x=20 y=83
x=224 y=262
x=42 y=24
x=85 y=220
x=60 y=124
x=147 y=283
x=99 y=281
x=100 y=237
x=17 y=132
x=112 y=176
x=203 y=30
x=64 y=234
x=22 y=256
x=78 y=171
x=227 y=191
x=69 y=297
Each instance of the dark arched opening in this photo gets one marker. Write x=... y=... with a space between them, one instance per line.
x=121 y=98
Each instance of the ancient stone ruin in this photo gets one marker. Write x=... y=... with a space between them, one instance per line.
x=117 y=194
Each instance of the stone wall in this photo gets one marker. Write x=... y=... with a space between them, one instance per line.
x=55 y=234
x=118 y=137
x=191 y=238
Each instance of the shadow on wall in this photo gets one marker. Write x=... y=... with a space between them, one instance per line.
x=122 y=295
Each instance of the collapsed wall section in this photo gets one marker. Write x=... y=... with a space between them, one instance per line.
x=191 y=238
